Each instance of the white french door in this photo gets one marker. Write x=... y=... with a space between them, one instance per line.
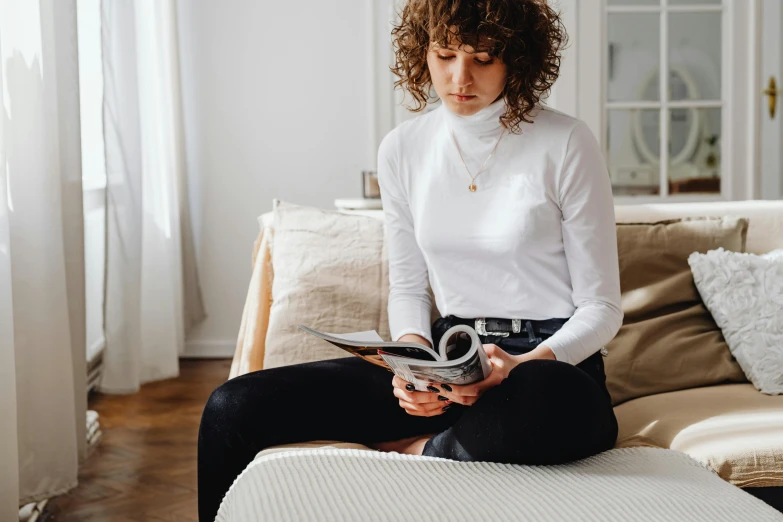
x=665 y=85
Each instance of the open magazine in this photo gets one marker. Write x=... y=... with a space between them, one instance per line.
x=460 y=358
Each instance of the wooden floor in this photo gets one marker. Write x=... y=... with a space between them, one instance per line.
x=144 y=468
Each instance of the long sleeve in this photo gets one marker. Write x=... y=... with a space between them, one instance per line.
x=590 y=244
x=409 y=301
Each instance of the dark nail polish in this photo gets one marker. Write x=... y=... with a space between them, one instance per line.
x=410 y=387
x=446 y=387
x=433 y=389
x=442 y=398
x=446 y=407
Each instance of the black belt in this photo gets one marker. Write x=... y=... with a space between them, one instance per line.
x=501 y=327
x=489 y=326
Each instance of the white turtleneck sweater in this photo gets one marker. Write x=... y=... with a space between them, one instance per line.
x=536 y=240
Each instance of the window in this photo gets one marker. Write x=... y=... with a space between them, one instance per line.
x=88 y=14
x=664 y=84
x=88 y=17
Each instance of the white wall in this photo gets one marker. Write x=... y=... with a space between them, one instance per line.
x=276 y=105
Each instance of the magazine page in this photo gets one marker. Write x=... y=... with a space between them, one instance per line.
x=370 y=336
x=362 y=345
x=465 y=372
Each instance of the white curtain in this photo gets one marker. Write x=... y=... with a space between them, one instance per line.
x=152 y=294
x=42 y=354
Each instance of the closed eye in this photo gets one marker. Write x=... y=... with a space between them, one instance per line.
x=481 y=62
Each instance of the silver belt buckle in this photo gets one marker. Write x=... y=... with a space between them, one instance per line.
x=481 y=327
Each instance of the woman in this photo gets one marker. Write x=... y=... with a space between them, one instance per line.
x=505 y=208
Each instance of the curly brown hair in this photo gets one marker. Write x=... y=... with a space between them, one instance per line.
x=526 y=35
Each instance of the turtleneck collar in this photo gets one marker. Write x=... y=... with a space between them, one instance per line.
x=483 y=123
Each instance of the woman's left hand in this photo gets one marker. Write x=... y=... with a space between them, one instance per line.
x=502 y=364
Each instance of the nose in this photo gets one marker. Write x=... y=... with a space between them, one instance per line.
x=461 y=74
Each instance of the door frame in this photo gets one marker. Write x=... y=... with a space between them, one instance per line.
x=769 y=22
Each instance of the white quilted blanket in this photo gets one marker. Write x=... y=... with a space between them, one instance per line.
x=629 y=484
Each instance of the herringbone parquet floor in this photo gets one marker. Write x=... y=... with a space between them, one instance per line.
x=144 y=468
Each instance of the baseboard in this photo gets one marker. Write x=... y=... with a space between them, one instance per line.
x=210 y=349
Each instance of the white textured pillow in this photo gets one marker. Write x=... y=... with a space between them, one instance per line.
x=744 y=294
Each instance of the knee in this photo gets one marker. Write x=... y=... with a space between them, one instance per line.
x=560 y=387
x=568 y=396
x=227 y=405
x=557 y=380
x=219 y=401
x=217 y=407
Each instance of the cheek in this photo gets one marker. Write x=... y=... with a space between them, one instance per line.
x=502 y=77
x=498 y=76
x=436 y=69
x=438 y=77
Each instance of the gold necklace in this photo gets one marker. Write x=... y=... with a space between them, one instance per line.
x=472 y=186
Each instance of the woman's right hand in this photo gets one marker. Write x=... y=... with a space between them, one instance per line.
x=421 y=404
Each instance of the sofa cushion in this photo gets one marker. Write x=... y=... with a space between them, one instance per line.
x=733 y=428
x=765 y=218
x=744 y=294
x=330 y=273
x=668 y=340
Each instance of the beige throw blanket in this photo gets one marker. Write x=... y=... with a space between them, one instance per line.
x=249 y=353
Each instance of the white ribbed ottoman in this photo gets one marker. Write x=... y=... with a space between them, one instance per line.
x=343 y=483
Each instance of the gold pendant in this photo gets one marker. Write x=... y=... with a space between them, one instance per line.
x=472 y=187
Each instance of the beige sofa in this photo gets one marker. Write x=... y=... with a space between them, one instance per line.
x=731 y=427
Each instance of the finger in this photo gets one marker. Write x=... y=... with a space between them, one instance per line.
x=420 y=414
x=399 y=382
x=464 y=390
x=405 y=395
x=417 y=397
x=424 y=406
x=499 y=357
x=422 y=410
x=466 y=400
x=460 y=399
x=457 y=392
x=410 y=409
x=480 y=387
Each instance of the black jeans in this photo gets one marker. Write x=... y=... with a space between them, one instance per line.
x=545 y=412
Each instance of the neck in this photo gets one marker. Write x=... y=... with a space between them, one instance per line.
x=485 y=122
